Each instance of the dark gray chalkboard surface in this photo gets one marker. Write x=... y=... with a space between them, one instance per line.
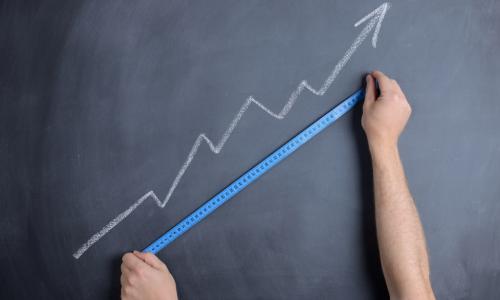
x=101 y=102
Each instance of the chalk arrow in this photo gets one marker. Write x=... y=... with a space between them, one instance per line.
x=375 y=19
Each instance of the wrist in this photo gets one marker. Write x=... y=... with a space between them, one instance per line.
x=383 y=149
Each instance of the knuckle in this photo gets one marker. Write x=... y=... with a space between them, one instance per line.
x=391 y=94
x=140 y=272
x=397 y=96
x=130 y=280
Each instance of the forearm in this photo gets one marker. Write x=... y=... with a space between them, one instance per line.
x=399 y=231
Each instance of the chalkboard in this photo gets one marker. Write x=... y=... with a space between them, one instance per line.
x=102 y=101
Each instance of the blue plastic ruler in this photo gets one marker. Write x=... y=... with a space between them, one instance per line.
x=258 y=170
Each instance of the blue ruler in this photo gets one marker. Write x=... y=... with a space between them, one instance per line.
x=251 y=175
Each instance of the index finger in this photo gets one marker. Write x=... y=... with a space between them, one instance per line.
x=132 y=262
x=151 y=260
x=384 y=82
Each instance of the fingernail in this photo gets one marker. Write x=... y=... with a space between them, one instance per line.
x=367 y=77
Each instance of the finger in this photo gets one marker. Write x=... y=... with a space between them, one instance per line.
x=132 y=262
x=369 y=91
x=385 y=83
x=151 y=260
x=124 y=269
x=396 y=86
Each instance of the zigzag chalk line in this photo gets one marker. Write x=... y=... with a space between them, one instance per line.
x=376 y=17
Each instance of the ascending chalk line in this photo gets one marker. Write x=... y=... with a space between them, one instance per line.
x=376 y=17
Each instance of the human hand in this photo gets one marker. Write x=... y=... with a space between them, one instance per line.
x=385 y=116
x=145 y=276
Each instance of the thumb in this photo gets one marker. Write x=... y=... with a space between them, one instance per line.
x=151 y=260
x=369 y=91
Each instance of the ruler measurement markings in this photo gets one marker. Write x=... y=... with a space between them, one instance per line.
x=258 y=170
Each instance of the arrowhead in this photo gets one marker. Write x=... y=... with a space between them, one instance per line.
x=376 y=17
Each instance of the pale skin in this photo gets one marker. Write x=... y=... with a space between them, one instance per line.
x=401 y=240
x=400 y=235
x=146 y=277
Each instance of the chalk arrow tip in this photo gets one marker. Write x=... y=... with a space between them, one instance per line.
x=376 y=18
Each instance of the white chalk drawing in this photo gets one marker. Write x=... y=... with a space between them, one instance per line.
x=376 y=17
